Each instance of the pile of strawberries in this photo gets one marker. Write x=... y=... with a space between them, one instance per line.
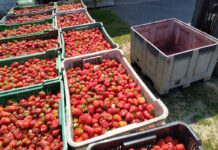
x=25 y=29
x=72 y=19
x=70 y=6
x=84 y=42
x=28 y=18
x=26 y=47
x=33 y=71
x=104 y=97
x=34 y=9
x=165 y=144
x=31 y=123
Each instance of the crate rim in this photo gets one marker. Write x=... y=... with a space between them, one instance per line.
x=181 y=23
x=11 y=11
x=26 y=14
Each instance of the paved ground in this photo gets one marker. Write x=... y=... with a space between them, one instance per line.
x=142 y=11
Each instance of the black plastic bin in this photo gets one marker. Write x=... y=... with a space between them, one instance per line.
x=205 y=16
x=178 y=130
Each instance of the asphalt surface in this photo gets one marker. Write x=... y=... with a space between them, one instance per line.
x=136 y=12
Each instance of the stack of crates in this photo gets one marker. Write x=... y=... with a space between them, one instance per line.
x=32 y=16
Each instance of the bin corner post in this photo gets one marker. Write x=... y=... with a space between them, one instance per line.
x=132 y=46
x=191 y=68
x=164 y=75
x=212 y=64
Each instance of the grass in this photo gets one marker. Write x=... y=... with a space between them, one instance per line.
x=196 y=105
x=113 y=24
x=118 y=29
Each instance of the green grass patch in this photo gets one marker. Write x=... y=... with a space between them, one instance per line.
x=208 y=145
x=114 y=25
x=204 y=122
x=118 y=29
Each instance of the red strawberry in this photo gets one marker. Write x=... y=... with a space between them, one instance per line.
x=139 y=115
x=76 y=112
x=85 y=119
x=117 y=118
x=88 y=130
x=85 y=136
x=91 y=109
x=104 y=123
x=108 y=116
x=78 y=131
x=123 y=113
x=129 y=117
x=150 y=108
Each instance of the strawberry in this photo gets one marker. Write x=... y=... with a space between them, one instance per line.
x=104 y=123
x=76 y=112
x=91 y=109
x=85 y=119
x=139 y=115
x=85 y=136
x=122 y=123
x=78 y=131
x=88 y=130
x=151 y=109
x=117 y=118
x=129 y=117
x=141 y=100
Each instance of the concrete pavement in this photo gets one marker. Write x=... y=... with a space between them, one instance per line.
x=142 y=11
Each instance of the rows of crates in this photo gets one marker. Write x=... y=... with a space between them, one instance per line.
x=56 y=34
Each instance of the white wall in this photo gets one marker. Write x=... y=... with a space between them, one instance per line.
x=6 y=5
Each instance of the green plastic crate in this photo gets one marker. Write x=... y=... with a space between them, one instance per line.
x=12 y=16
x=68 y=2
x=10 y=27
x=48 y=54
x=86 y=27
x=46 y=35
x=48 y=87
x=29 y=7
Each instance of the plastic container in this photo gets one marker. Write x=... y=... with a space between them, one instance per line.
x=26 y=2
x=172 y=53
x=30 y=7
x=84 y=11
x=161 y=110
x=47 y=35
x=86 y=27
x=69 y=2
x=205 y=16
x=12 y=16
x=48 y=54
x=99 y=3
x=53 y=87
x=10 y=27
x=178 y=130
